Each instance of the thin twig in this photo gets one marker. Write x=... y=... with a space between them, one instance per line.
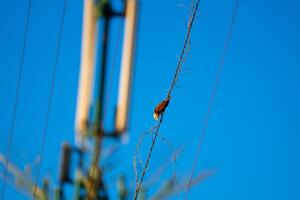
x=181 y=60
x=138 y=187
x=185 y=49
x=138 y=155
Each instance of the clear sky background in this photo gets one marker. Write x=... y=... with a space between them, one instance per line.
x=252 y=138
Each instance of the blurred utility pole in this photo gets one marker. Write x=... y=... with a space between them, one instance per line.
x=88 y=184
x=87 y=180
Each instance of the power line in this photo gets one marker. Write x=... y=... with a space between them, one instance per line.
x=16 y=101
x=181 y=60
x=58 y=47
x=218 y=75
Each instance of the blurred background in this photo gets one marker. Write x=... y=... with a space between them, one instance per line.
x=252 y=139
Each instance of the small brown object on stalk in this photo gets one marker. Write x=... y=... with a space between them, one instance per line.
x=160 y=108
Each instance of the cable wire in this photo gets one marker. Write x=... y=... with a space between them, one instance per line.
x=215 y=87
x=54 y=72
x=181 y=60
x=16 y=100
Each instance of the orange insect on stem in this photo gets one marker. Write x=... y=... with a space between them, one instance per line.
x=160 y=108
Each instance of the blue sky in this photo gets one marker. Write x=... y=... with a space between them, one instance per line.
x=252 y=138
